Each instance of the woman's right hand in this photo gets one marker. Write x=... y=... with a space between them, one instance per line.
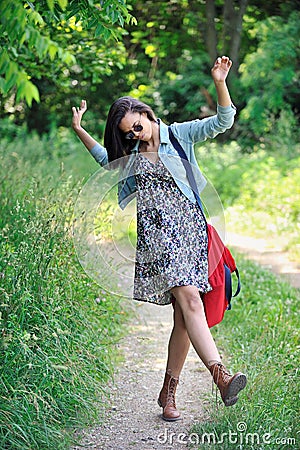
x=83 y=135
x=77 y=115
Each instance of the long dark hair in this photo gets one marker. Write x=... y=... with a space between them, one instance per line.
x=114 y=141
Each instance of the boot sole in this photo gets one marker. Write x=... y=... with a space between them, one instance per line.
x=237 y=384
x=170 y=420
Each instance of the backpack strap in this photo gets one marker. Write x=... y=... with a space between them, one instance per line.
x=188 y=169
x=228 y=285
x=239 y=283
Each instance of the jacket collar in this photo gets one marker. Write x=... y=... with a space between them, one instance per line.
x=164 y=133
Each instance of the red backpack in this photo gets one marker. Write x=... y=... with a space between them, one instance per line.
x=221 y=265
x=220 y=261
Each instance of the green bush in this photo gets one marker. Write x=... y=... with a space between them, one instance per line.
x=260 y=191
x=269 y=76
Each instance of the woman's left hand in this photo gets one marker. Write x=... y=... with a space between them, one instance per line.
x=220 y=69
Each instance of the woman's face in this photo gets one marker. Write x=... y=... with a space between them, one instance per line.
x=136 y=126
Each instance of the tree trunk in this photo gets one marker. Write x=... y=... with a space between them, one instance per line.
x=228 y=26
x=232 y=30
x=237 y=36
x=211 y=35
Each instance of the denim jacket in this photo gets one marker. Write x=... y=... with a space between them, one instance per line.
x=187 y=133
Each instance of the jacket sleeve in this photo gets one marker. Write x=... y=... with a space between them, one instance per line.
x=100 y=154
x=201 y=129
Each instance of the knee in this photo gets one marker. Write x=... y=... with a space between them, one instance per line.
x=190 y=300
x=194 y=304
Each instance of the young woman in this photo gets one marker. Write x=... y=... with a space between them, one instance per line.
x=171 y=255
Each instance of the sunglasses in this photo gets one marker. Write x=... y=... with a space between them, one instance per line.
x=136 y=128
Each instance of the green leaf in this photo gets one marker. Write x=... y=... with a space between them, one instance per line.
x=10 y=76
x=12 y=67
x=32 y=36
x=4 y=61
x=10 y=83
x=41 y=46
x=50 y=4
x=99 y=30
x=63 y=4
x=92 y=23
x=75 y=10
x=21 y=88
x=68 y=58
x=35 y=18
x=2 y=85
x=52 y=51
x=31 y=93
x=26 y=89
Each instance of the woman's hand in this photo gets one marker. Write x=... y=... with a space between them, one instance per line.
x=83 y=135
x=220 y=69
x=77 y=115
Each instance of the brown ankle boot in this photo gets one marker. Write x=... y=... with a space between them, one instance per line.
x=229 y=385
x=166 y=398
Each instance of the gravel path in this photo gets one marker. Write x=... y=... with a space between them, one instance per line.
x=133 y=418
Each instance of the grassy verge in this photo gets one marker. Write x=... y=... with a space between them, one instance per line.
x=259 y=336
x=58 y=329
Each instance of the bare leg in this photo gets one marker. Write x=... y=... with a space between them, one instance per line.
x=190 y=303
x=179 y=344
x=194 y=325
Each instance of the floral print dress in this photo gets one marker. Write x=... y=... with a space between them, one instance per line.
x=171 y=245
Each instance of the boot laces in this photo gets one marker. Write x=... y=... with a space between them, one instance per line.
x=221 y=373
x=171 y=392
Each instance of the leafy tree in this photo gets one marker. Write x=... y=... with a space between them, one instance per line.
x=165 y=60
x=63 y=86
x=270 y=76
x=29 y=48
x=174 y=46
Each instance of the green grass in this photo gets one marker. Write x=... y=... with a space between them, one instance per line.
x=260 y=337
x=59 y=330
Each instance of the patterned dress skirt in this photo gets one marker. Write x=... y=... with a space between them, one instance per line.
x=171 y=245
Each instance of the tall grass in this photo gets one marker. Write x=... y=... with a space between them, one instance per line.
x=58 y=329
x=260 y=337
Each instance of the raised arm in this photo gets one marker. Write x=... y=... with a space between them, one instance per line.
x=219 y=74
x=209 y=127
x=83 y=135
x=95 y=149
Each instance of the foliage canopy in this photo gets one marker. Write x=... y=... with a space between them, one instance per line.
x=54 y=53
x=31 y=38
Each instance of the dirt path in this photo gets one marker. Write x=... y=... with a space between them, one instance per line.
x=269 y=254
x=132 y=420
